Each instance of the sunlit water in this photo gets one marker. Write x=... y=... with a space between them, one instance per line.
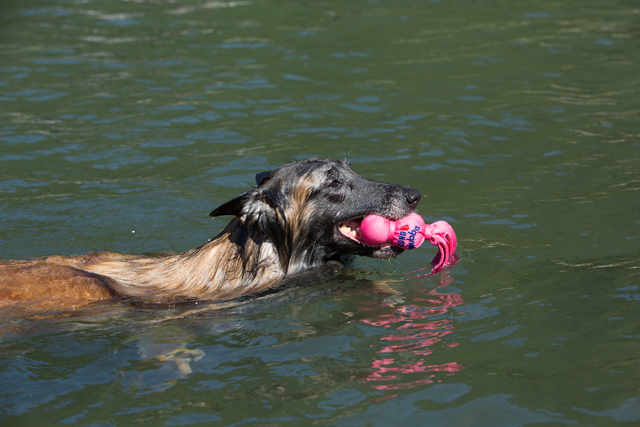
x=123 y=124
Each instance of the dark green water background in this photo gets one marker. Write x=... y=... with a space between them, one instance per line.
x=124 y=123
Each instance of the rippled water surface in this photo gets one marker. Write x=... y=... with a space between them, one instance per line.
x=124 y=123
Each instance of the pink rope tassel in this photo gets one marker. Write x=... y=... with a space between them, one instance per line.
x=441 y=234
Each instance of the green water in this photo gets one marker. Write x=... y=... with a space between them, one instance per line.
x=123 y=124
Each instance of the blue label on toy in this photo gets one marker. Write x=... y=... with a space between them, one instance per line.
x=408 y=238
x=412 y=238
x=401 y=237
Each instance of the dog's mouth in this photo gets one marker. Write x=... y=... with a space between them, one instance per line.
x=350 y=230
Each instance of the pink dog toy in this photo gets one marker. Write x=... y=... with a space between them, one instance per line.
x=409 y=233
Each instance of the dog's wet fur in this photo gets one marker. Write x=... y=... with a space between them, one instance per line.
x=300 y=217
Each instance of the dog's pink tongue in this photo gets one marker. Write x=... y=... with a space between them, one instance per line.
x=409 y=233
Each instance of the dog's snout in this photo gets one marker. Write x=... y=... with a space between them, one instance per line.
x=413 y=197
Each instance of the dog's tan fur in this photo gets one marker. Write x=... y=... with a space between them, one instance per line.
x=215 y=270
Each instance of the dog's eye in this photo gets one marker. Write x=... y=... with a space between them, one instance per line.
x=334 y=184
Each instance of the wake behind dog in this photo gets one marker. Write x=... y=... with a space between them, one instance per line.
x=300 y=217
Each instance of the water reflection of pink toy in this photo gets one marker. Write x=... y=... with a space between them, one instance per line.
x=416 y=330
x=409 y=233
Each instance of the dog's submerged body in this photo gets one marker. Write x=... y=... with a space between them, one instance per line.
x=299 y=217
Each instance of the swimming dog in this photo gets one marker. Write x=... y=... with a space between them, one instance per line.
x=298 y=218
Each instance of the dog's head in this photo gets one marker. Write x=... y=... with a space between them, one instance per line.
x=311 y=211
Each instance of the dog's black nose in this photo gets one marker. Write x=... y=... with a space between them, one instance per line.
x=413 y=197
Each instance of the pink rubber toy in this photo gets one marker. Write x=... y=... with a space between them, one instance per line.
x=409 y=233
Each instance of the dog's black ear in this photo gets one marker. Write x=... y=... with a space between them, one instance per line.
x=253 y=207
x=232 y=207
x=261 y=176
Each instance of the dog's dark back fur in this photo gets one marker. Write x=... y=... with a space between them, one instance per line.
x=286 y=225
